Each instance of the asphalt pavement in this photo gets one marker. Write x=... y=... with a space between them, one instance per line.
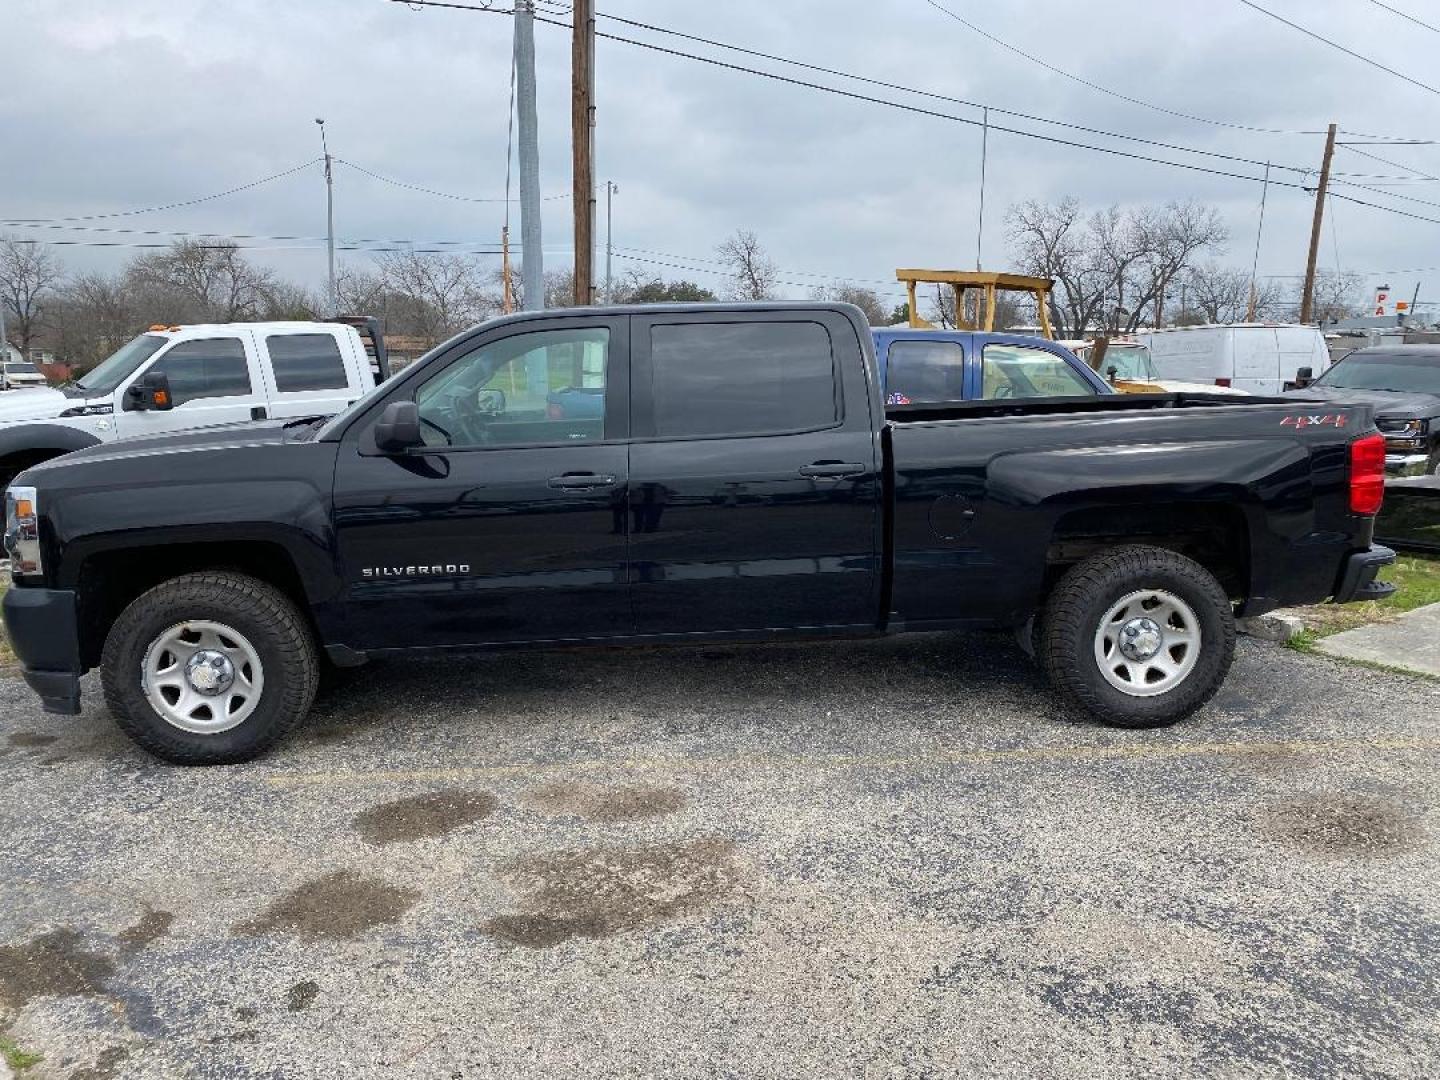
x=899 y=858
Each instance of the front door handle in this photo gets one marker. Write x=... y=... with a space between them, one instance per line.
x=580 y=481
x=833 y=470
x=257 y=413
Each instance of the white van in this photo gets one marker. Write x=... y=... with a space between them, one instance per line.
x=1258 y=358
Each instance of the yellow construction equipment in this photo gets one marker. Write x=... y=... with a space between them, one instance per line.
x=990 y=285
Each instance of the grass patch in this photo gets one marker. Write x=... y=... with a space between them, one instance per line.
x=8 y=663
x=1418 y=583
x=19 y=1060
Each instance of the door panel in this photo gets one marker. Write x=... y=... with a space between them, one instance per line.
x=212 y=381
x=751 y=531
x=475 y=541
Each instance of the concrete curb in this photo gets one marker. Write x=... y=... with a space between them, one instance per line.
x=1272 y=627
x=1410 y=642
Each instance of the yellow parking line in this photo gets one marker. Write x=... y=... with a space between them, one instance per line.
x=855 y=761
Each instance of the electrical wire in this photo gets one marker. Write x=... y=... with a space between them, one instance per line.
x=1386 y=161
x=1404 y=15
x=432 y=191
x=943 y=97
x=1336 y=45
x=186 y=202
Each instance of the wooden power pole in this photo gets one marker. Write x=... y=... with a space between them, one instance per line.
x=582 y=129
x=1307 y=298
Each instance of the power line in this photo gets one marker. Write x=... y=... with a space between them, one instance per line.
x=1105 y=89
x=936 y=96
x=1403 y=15
x=186 y=202
x=431 y=191
x=1336 y=45
x=1386 y=161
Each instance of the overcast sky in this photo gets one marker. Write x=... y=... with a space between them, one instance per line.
x=114 y=105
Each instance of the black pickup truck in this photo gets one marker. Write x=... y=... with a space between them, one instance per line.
x=678 y=474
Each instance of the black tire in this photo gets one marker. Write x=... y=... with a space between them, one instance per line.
x=1079 y=603
x=260 y=612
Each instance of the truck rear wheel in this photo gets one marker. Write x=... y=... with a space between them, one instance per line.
x=209 y=669
x=1138 y=637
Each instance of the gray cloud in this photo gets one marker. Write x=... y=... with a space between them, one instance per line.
x=111 y=104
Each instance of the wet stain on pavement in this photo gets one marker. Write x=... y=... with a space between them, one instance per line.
x=607 y=803
x=53 y=963
x=1343 y=825
x=419 y=817
x=301 y=995
x=597 y=892
x=153 y=925
x=339 y=905
x=27 y=739
x=106 y=1067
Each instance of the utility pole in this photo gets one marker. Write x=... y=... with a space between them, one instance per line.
x=984 y=146
x=507 y=294
x=528 y=130
x=582 y=138
x=1255 y=262
x=610 y=189
x=334 y=300
x=1307 y=298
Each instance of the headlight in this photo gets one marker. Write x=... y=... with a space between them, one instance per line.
x=22 y=531
x=1403 y=434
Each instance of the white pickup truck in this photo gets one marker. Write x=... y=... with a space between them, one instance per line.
x=176 y=377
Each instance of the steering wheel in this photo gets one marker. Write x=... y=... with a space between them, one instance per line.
x=472 y=421
x=1003 y=391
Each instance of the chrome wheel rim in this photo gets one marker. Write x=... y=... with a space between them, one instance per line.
x=202 y=677
x=1147 y=643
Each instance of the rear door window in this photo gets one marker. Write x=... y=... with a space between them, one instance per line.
x=924 y=371
x=741 y=378
x=1019 y=371
x=306 y=362
x=206 y=368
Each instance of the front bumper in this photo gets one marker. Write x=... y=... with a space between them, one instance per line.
x=1406 y=464
x=1357 y=580
x=42 y=628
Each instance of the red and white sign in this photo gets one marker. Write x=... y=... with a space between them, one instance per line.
x=1382 y=301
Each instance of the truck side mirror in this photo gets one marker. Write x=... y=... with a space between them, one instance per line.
x=1111 y=372
x=1304 y=377
x=398 y=428
x=150 y=391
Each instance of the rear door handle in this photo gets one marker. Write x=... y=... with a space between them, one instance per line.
x=578 y=481
x=833 y=470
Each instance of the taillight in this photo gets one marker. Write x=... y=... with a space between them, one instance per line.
x=1367 y=474
x=1223 y=382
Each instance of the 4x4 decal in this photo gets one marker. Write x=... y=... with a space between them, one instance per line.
x=1337 y=420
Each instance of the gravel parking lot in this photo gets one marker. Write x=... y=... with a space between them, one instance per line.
x=898 y=857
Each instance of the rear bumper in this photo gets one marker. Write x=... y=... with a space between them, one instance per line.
x=41 y=626
x=1357 y=580
x=1406 y=464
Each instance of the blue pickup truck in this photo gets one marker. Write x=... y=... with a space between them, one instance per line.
x=919 y=366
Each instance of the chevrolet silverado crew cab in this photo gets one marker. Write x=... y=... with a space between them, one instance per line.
x=219 y=374
x=741 y=479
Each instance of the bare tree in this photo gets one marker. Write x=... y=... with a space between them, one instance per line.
x=432 y=295
x=847 y=292
x=93 y=316
x=1221 y=294
x=1171 y=239
x=29 y=275
x=196 y=280
x=1050 y=241
x=752 y=274
x=1337 y=296
x=1112 y=268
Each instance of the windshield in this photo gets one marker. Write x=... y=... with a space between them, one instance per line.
x=1129 y=362
x=112 y=371
x=1403 y=373
x=20 y=369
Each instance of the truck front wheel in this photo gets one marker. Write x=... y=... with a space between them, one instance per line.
x=1138 y=637
x=209 y=668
